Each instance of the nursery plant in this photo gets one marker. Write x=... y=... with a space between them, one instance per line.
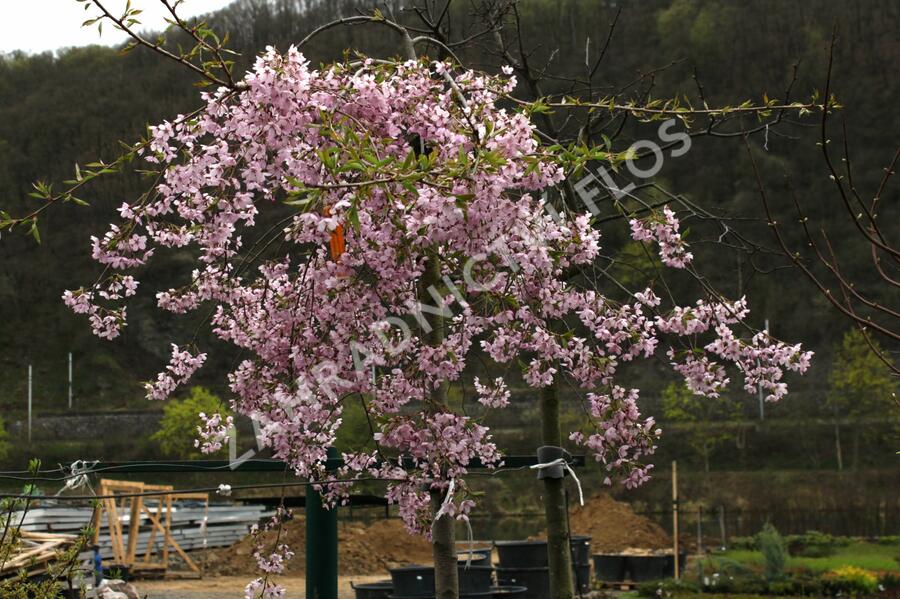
x=362 y=230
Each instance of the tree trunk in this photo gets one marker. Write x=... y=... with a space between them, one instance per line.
x=856 y=448
x=443 y=537
x=837 y=446
x=559 y=549
x=443 y=532
x=443 y=551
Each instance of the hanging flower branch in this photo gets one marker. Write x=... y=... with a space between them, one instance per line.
x=386 y=168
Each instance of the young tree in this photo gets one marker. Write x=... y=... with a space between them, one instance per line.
x=182 y=420
x=860 y=292
x=859 y=385
x=771 y=545
x=326 y=320
x=704 y=417
x=359 y=227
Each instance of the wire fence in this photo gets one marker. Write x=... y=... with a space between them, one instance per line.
x=707 y=528
x=716 y=526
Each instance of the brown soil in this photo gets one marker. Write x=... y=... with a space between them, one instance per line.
x=362 y=549
x=373 y=548
x=232 y=587
x=614 y=527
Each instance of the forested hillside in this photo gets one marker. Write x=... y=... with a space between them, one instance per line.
x=56 y=110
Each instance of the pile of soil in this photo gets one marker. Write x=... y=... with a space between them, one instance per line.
x=373 y=548
x=615 y=527
x=362 y=549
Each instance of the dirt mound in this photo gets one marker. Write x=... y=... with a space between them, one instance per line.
x=615 y=527
x=362 y=549
x=373 y=548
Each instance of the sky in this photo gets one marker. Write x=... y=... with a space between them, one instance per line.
x=40 y=25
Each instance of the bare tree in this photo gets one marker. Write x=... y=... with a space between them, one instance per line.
x=874 y=310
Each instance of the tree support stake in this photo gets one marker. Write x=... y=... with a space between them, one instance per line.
x=321 y=545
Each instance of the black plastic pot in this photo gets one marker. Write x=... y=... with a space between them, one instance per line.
x=486 y=595
x=670 y=564
x=522 y=554
x=643 y=568
x=413 y=581
x=480 y=557
x=533 y=554
x=508 y=592
x=475 y=579
x=581 y=577
x=581 y=549
x=535 y=580
x=609 y=567
x=381 y=589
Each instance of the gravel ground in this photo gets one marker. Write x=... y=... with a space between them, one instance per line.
x=232 y=587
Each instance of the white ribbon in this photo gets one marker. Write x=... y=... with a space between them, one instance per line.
x=448 y=499
x=564 y=464
x=79 y=470
x=471 y=542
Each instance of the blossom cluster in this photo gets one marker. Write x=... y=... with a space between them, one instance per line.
x=212 y=435
x=106 y=322
x=493 y=396
x=663 y=229
x=271 y=556
x=621 y=436
x=182 y=366
x=435 y=188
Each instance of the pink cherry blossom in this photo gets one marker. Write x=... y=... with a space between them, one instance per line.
x=418 y=174
x=664 y=231
x=213 y=434
x=493 y=396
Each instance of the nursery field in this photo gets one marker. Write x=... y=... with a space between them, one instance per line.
x=870 y=556
x=810 y=565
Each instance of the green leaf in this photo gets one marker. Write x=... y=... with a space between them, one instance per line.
x=298 y=201
x=353 y=217
x=408 y=186
x=409 y=160
x=463 y=199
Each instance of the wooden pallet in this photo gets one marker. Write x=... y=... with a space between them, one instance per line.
x=194 y=525
x=36 y=551
x=155 y=508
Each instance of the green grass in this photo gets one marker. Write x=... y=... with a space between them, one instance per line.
x=864 y=555
x=687 y=595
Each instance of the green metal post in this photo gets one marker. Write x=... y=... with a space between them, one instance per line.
x=321 y=545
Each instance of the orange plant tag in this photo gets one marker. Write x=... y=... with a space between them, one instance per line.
x=336 y=243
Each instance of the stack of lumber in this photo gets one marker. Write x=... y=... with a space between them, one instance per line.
x=35 y=551
x=225 y=525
